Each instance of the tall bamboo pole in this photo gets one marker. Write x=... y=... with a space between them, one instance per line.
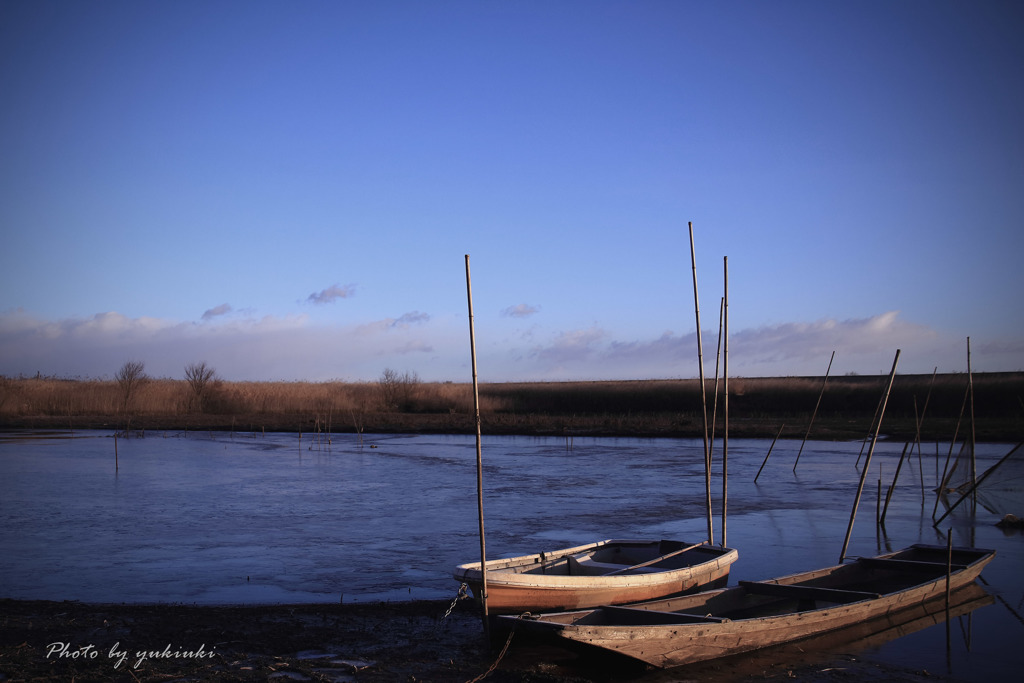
x=725 y=404
x=703 y=394
x=479 y=458
x=811 y=423
x=970 y=389
x=867 y=463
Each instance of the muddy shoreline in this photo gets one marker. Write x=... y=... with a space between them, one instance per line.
x=993 y=430
x=401 y=641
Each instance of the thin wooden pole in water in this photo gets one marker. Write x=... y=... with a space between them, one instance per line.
x=816 y=405
x=878 y=500
x=946 y=473
x=892 y=486
x=867 y=463
x=769 y=452
x=479 y=458
x=718 y=353
x=725 y=405
x=976 y=484
x=871 y=428
x=115 y=452
x=920 y=420
x=703 y=393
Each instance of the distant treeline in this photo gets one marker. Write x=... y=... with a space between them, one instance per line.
x=402 y=403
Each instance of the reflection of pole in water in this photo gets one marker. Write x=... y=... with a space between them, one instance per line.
x=949 y=570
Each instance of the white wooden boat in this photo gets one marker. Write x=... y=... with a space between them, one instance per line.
x=609 y=572
x=758 y=614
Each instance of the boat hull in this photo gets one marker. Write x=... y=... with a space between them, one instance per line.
x=680 y=631
x=520 y=584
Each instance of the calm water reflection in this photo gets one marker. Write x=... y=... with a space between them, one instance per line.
x=253 y=518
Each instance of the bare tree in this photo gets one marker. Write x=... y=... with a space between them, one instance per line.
x=129 y=378
x=199 y=376
x=396 y=389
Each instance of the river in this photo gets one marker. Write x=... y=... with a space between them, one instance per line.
x=220 y=518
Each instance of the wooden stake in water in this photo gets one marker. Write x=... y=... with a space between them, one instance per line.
x=811 y=423
x=115 y=452
x=769 y=452
x=479 y=457
x=867 y=463
x=703 y=393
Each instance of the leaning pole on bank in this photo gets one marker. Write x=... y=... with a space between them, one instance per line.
x=703 y=395
x=479 y=458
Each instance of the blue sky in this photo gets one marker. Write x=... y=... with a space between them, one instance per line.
x=287 y=190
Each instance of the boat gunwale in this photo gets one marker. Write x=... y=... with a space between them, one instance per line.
x=470 y=572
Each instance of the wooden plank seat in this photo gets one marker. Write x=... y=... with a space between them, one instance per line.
x=589 y=567
x=633 y=615
x=922 y=566
x=783 y=590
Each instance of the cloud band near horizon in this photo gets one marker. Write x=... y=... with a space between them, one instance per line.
x=294 y=348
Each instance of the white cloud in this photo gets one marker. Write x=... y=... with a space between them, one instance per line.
x=573 y=345
x=862 y=345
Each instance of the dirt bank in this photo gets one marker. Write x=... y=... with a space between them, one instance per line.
x=409 y=641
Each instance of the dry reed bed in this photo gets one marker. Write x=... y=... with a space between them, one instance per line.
x=656 y=407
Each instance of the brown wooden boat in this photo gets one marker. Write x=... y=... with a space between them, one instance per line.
x=607 y=572
x=758 y=614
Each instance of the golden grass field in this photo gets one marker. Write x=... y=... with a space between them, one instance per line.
x=758 y=407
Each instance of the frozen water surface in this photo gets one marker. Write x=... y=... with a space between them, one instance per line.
x=252 y=518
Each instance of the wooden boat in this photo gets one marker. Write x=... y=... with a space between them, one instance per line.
x=607 y=572
x=758 y=614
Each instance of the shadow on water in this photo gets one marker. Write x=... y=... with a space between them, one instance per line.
x=251 y=518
